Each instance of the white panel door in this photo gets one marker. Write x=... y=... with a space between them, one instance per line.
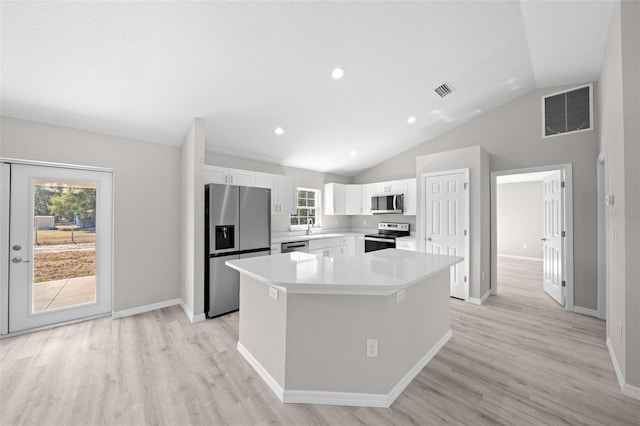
x=60 y=269
x=553 y=252
x=445 y=218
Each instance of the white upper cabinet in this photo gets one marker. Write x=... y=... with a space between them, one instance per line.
x=223 y=175
x=393 y=187
x=410 y=197
x=367 y=193
x=283 y=191
x=354 y=200
x=335 y=201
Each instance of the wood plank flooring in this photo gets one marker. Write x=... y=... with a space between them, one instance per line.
x=518 y=359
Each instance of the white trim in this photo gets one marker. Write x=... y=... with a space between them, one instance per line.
x=627 y=389
x=567 y=170
x=603 y=234
x=591 y=124
x=343 y=398
x=193 y=318
x=480 y=301
x=423 y=229
x=56 y=325
x=513 y=256
x=5 y=188
x=57 y=165
x=585 y=311
x=145 y=308
x=262 y=372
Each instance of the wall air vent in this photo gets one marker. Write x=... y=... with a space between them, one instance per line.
x=444 y=90
x=567 y=112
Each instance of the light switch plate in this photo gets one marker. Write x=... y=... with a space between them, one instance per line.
x=273 y=292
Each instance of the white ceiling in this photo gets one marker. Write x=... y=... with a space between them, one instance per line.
x=145 y=69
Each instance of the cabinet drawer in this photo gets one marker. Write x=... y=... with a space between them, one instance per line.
x=321 y=243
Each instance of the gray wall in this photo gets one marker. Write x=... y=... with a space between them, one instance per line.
x=146 y=183
x=512 y=135
x=619 y=132
x=520 y=215
x=304 y=179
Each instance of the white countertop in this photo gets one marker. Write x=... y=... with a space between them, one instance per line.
x=381 y=272
x=287 y=239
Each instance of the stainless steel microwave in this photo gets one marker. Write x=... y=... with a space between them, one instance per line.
x=387 y=204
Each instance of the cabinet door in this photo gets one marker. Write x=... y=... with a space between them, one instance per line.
x=353 y=199
x=336 y=251
x=334 y=199
x=359 y=244
x=267 y=180
x=380 y=188
x=287 y=195
x=318 y=252
x=349 y=244
x=241 y=177
x=396 y=187
x=367 y=193
x=410 y=197
x=214 y=174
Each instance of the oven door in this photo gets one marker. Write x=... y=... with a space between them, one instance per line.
x=373 y=243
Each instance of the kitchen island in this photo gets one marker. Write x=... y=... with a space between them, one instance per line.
x=348 y=331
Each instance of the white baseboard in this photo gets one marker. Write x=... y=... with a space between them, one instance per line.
x=193 y=318
x=262 y=372
x=343 y=398
x=629 y=390
x=480 y=301
x=585 y=311
x=145 y=308
x=511 y=256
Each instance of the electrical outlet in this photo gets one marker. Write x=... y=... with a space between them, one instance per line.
x=372 y=348
x=483 y=276
x=273 y=292
x=524 y=246
x=400 y=296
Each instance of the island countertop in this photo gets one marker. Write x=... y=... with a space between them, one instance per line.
x=381 y=272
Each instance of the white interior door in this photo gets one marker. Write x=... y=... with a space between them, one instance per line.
x=59 y=252
x=553 y=247
x=446 y=224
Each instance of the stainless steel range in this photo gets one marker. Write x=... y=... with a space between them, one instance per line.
x=386 y=236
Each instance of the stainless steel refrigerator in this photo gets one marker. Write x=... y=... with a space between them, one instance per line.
x=237 y=226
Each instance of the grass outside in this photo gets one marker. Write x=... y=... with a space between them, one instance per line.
x=51 y=264
x=55 y=236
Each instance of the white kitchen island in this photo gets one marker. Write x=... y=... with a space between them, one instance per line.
x=307 y=322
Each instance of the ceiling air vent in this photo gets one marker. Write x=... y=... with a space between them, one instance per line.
x=567 y=112
x=444 y=90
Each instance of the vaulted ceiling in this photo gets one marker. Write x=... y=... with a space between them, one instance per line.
x=144 y=69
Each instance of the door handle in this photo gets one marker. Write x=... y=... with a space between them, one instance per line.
x=18 y=259
x=429 y=239
x=543 y=239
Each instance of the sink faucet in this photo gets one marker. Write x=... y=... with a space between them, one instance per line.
x=309 y=224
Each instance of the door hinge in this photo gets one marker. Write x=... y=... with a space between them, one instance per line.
x=465 y=185
x=564 y=283
x=465 y=232
x=465 y=279
x=563 y=234
x=562 y=184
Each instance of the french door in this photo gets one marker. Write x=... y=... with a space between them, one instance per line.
x=59 y=245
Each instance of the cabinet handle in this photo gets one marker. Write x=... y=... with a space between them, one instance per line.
x=231 y=178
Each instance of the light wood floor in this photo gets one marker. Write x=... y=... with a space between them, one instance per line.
x=518 y=359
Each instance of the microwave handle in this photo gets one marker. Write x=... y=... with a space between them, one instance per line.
x=394 y=202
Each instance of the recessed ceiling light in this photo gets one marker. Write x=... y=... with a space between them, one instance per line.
x=411 y=119
x=353 y=153
x=337 y=73
x=278 y=131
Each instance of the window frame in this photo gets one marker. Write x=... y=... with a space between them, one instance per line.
x=298 y=207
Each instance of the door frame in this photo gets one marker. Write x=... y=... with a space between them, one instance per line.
x=5 y=196
x=467 y=200
x=603 y=236
x=567 y=171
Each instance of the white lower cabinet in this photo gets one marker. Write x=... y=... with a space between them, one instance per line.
x=329 y=247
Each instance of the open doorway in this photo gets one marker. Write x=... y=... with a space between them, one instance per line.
x=532 y=232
